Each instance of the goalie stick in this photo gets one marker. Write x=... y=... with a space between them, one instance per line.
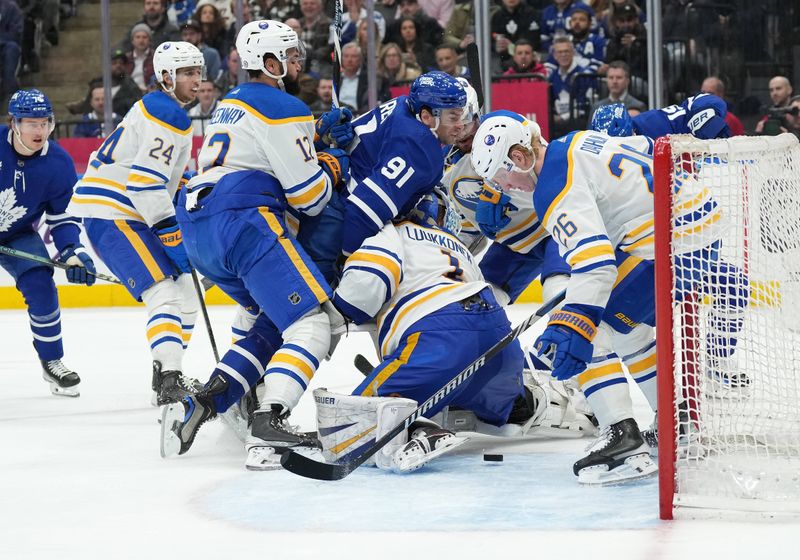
x=36 y=258
x=307 y=467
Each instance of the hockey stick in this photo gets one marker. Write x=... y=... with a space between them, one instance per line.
x=474 y=65
x=36 y=258
x=204 y=309
x=305 y=466
x=363 y=365
x=337 y=51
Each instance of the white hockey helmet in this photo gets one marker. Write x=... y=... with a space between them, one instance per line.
x=262 y=37
x=471 y=110
x=498 y=133
x=171 y=55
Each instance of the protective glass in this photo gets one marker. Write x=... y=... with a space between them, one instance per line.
x=297 y=55
x=506 y=180
x=189 y=73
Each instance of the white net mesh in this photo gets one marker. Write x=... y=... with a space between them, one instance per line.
x=736 y=294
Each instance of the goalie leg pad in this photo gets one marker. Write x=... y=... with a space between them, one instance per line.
x=347 y=423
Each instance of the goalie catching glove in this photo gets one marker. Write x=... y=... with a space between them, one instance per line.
x=336 y=163
x=567 y=340
x=81 y=266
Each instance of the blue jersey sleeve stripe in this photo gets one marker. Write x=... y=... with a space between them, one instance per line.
x=376 y=203
x=591 y=267
x=140 y=189
x=383 y=250
x=594 y=388
x=583 y=242
x=350 y=311
x=300 y=186
x=383 y=195
x=151 y=172
x=103 y=192
x=287 y=372
x=366 y=210
x=387 y=282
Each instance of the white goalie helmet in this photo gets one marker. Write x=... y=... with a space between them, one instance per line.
x=171 y=55
x=498 y=133
x=262 y=37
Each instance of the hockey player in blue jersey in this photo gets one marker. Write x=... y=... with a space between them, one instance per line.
x=702 y=116
x=395 y=157
x=37 y=178
x=259 y=173
x=126 y=200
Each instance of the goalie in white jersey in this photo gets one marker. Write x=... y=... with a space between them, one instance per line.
x=126 y=200
x=435 y=316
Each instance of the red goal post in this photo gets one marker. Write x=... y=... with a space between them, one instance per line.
x=728 y=345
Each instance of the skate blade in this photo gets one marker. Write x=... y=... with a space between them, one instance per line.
x=171 y=416
x=635 y=467
x=64 y=391
x=418 y=461
x=234 y=419
x=263 y=459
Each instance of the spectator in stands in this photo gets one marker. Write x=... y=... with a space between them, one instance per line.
x=415 y=50
x=140 y=57
x=192 y=32
x=780 y=92
x=213 y=26
x=571 y=93
x=315 y=32
x=354 y=12
x=230 y=79
x=225 y=9
x=124 y=91
x=181 y=11
x=10 y=40
x=362 y=38
x=324 y=96
x=447 y=62
x=526 y=61
x=440 y=10
x=428 y=29
x=512 y=22
x=590 y=48
x=392 y=67
x=628 y=41
x=554 y=22
x=247 y=17
x=605 y=15
x=155 y=17
x=460 y=30
x=353 y=85
x=92 y=125
x=207 y=102
x=618 y=80
x=714 y=85
x=792 y=118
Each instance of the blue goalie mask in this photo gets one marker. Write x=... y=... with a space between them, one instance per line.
x=435 y=209
x=613 y=120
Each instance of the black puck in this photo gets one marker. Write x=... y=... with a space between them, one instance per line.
x=493 y=457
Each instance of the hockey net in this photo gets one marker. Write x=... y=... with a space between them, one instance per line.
x=727 y=221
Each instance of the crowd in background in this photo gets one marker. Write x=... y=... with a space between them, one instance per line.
x=591 y=53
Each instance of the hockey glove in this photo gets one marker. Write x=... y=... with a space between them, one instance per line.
x=491 y=211
x=81 y=266
x=567 y=341
x=170 y=236
x=185 y=178
x=336 y=163
x=335 y=128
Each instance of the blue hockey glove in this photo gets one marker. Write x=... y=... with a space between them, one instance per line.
x=185 y=178
x=170 y=236
x=81 y=266
x=567 y=341
x=491 y=211
x=335 y=127
x=336 y=163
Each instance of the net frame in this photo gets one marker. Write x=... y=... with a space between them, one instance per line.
x=679 y=376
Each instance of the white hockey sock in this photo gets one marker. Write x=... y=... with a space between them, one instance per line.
x=606 y=389
x=642 y=367
x=164 y=332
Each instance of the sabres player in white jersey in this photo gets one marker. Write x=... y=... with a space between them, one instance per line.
x=435 y=316
x=37 y=177
x=607 y=245
x=126 y=200
x=259 y=171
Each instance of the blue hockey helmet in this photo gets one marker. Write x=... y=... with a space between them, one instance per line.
x=436 y=90
x=435 y=209
x=613 y=120
x=30 y=104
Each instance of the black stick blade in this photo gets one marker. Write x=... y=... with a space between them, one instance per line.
x=307 y=467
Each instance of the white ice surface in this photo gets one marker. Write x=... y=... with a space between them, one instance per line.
x=82 y=478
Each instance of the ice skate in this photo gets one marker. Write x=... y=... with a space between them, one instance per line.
x=180 y=421
x=63 y=381
x=270 y=436
x=618 y=455
x=427 y=443
x=172 y=386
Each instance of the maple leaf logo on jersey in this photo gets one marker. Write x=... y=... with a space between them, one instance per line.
x=9 y=211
